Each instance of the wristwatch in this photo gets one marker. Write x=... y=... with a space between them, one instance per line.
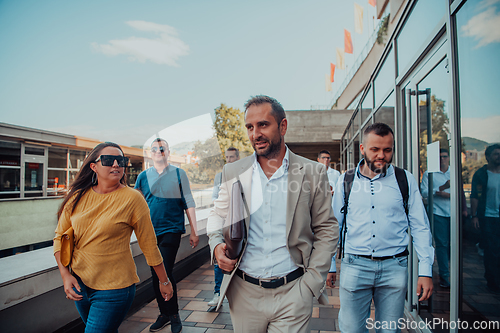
x=165 y=283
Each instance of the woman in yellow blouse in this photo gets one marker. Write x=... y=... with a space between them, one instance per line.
x=103 y=212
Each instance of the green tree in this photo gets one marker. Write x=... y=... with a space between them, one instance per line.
x=440 y=127
x=229 y=126
x=210 y=162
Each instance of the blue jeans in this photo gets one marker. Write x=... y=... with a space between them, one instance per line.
x=218 y=275
x=104 y=310
x=362 y=280
x=442 y=240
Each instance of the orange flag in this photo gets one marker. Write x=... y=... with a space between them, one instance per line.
x=347 y=42
x=332 y=71
x=372 y=2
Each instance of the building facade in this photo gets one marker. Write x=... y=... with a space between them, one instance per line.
x=435 y=84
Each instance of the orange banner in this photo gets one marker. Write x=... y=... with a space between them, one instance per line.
x=347 y=42
x=332 y=71
x=372 y=2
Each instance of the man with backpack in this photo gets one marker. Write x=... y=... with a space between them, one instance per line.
x=376 y=203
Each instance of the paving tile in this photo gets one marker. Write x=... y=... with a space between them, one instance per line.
x=326 y=324
x=206 y=294
x=223 y=318
x=133 y=326
x=209 y=279
x=191 y=330
x=188 y=292
x=335 y=301
x=205 y=286
x=196 y=306
x=210 y=325
x=184 y=314
x=186 y=285
x=208 y=272
x=215 y=330
x=315 y=313
x=202 y=317
x=331 y=313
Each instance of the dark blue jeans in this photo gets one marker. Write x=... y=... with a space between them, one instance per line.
x=168 y=244
x=104 y=310
x=218 y=276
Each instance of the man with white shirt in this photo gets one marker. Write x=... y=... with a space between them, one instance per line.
x=441 y=211
x=374 y=245
x=291 y=229
x=324 y=157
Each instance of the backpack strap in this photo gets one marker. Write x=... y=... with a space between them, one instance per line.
x=403 y=187
x=348 y=179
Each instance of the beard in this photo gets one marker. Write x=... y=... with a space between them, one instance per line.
x=371 y=164
x=272 y=150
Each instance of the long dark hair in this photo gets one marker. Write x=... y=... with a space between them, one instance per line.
x=83 y=180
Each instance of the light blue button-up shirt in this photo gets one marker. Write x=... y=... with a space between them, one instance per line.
x=376 y=220
x=441 y=205
x=266 y=254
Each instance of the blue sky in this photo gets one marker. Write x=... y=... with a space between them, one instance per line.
x=124 y=70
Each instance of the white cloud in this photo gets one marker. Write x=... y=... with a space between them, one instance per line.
x=485 y=129
x=486 y=3
x=484 y=27
x=166 y=49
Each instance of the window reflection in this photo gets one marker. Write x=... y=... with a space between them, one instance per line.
x=480 y=119
x=385 y=78
x=367 y=105
x=423 y=20
x=385 y=114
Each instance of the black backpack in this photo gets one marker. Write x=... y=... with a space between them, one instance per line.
x=348 y=179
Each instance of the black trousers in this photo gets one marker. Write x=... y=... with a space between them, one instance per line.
x=169 y=245
x=492 y=250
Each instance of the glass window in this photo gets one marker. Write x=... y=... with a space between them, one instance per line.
x=422 y=21
x=356 y=154
x=10 y=153
x=367 y=105
x=385 y=79
x=356 y=122
x=76 y=158
x=57 y=158
x=368 y=123
x=354 y=103
x=385 y=114
x=34 y=151
x=478 y=69
x=56 y=182
x=9 y=179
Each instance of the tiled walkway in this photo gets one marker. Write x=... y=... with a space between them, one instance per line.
x=197 y=289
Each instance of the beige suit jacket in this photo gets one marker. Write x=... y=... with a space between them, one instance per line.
x=311 y=228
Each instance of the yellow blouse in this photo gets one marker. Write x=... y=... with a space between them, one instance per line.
x=103 y=224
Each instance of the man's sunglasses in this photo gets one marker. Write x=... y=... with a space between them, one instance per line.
x=109 y=160
x=155 y=149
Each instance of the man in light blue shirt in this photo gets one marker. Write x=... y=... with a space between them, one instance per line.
x=375 y=264
x=441 y=212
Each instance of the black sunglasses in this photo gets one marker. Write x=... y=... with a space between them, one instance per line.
x=161 y=149
x=109 y=160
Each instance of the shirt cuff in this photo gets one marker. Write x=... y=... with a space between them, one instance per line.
x=333 y=266
x=424 y=269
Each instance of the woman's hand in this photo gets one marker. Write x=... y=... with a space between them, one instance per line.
x=166 y=291
x=70 y=282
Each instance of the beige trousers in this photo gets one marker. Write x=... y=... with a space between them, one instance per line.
x=253 y=309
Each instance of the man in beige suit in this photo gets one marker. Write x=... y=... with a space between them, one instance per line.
x=291 y=229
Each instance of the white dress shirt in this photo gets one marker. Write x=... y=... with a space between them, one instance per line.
x=333 y=177
x=376 y=220
x=441 y=205
x=266 y=254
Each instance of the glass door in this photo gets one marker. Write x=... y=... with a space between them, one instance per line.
x=34 y=175
x=426 y=117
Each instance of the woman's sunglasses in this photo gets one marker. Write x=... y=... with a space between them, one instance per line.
x=109 y=160
x=155 y=149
